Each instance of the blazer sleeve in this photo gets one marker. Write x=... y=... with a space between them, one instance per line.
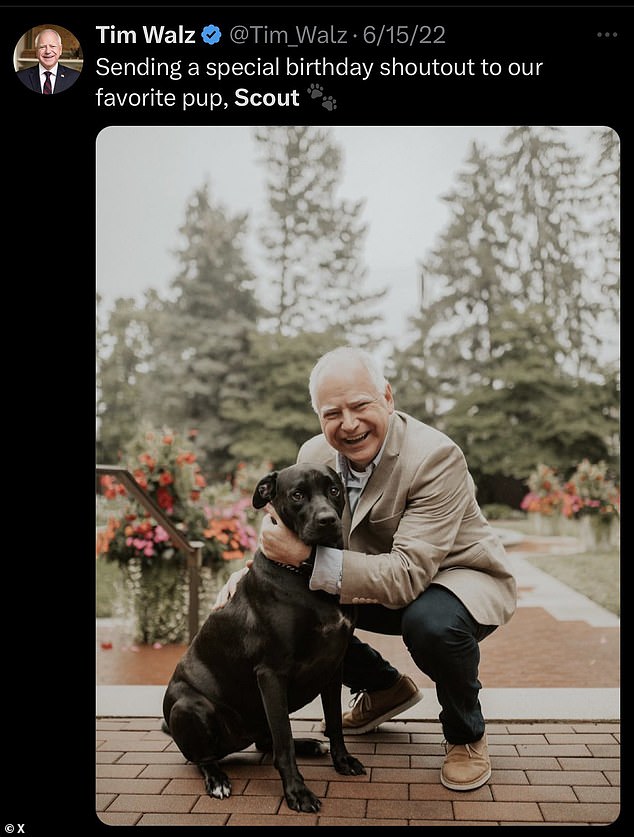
x=418 y=533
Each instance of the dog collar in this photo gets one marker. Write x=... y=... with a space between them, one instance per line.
x=305 y=568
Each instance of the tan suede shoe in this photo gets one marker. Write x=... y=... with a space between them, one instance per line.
x=466 y=766
x=373 y=708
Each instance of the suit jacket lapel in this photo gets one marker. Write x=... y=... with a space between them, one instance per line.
x=60 y=81
x=35 y=78
x=378 y=482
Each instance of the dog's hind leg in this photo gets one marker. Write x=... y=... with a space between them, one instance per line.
x=310 y=747
x=192 y=724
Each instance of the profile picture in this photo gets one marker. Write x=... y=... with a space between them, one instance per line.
x=48 y=59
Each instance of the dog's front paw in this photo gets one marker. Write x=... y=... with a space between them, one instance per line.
x=302 y=799
x=217 y=784
x=349 y=766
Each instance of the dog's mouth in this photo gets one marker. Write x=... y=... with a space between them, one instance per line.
x=322 y=536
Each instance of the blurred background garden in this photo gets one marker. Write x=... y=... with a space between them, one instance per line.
x=511 y=349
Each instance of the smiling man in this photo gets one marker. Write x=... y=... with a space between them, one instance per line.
x=419 y=558
x=48 y=76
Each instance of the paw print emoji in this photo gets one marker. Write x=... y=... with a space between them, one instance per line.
x=329 y=103
x=316 y=91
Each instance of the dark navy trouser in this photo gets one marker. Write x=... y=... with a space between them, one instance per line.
x=442 y=638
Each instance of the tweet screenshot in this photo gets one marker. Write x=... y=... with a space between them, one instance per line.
x=334 y=293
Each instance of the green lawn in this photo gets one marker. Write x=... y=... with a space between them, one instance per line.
x=107 y=574
x=596 y=575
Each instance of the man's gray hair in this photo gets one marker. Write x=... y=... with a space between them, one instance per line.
x=54 y=31
x=338 y=356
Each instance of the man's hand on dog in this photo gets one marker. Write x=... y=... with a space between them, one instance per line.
x=229 y=588
x=278 y=543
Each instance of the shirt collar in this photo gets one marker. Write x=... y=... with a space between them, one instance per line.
x=53 y=70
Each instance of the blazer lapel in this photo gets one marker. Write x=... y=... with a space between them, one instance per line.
x=34 y=77
x=378 y=482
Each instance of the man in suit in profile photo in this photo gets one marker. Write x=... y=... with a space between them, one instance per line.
x=48 y=75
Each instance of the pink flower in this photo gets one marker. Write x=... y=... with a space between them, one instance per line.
x=160 y=535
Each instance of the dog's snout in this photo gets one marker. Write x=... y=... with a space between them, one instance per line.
x=325 y=518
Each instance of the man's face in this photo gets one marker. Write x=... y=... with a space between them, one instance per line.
x=49 y=49
x=353 y=414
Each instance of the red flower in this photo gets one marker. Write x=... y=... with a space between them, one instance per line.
x=165 y=500
x=165 y=478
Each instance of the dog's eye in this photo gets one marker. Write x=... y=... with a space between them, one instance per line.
x=334 y=491
x=297 y=496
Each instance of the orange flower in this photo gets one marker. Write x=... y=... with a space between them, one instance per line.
x=140 y=477
x=104 y=537
x=165 y=478
x=147 y=460
x=168 y=440
x=186 y=456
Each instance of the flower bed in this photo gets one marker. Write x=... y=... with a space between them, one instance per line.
x=589 y=497
x=153 y=570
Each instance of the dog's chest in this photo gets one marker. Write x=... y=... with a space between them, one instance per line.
x=336 y=624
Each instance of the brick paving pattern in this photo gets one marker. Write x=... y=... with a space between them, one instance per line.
x=542 y=774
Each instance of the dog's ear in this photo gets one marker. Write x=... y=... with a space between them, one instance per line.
x=265 y=490
x=335 y=476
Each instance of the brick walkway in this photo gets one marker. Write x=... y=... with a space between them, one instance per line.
x=545 y=771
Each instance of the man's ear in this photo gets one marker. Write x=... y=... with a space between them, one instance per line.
x=265 y=490
x=389 y=396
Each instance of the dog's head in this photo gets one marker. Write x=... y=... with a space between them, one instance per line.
x=309 y=499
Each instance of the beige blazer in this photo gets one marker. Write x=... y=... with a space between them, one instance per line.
x=417 y=522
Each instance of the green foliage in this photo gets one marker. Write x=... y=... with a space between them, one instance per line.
x=273 y=418
x=312 y=239
x=500 y=511
x=527 y=410
x=503 y=354
x=123 y=347
x=206 y=331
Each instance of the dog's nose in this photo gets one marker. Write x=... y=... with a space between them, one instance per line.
x=325 y=518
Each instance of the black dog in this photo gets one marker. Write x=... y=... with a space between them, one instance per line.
x=269 y=651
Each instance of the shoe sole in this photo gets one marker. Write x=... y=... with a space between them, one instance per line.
x=477 y=784
x=386 y=717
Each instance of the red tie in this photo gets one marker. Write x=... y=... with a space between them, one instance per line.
x=47 y=83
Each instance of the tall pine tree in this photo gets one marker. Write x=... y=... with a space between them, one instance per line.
x=123 y=351
x=206 y=330
x=312 y=239
x=547 y=238
x=506 y=340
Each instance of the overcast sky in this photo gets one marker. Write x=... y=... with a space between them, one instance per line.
x=145 y=176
